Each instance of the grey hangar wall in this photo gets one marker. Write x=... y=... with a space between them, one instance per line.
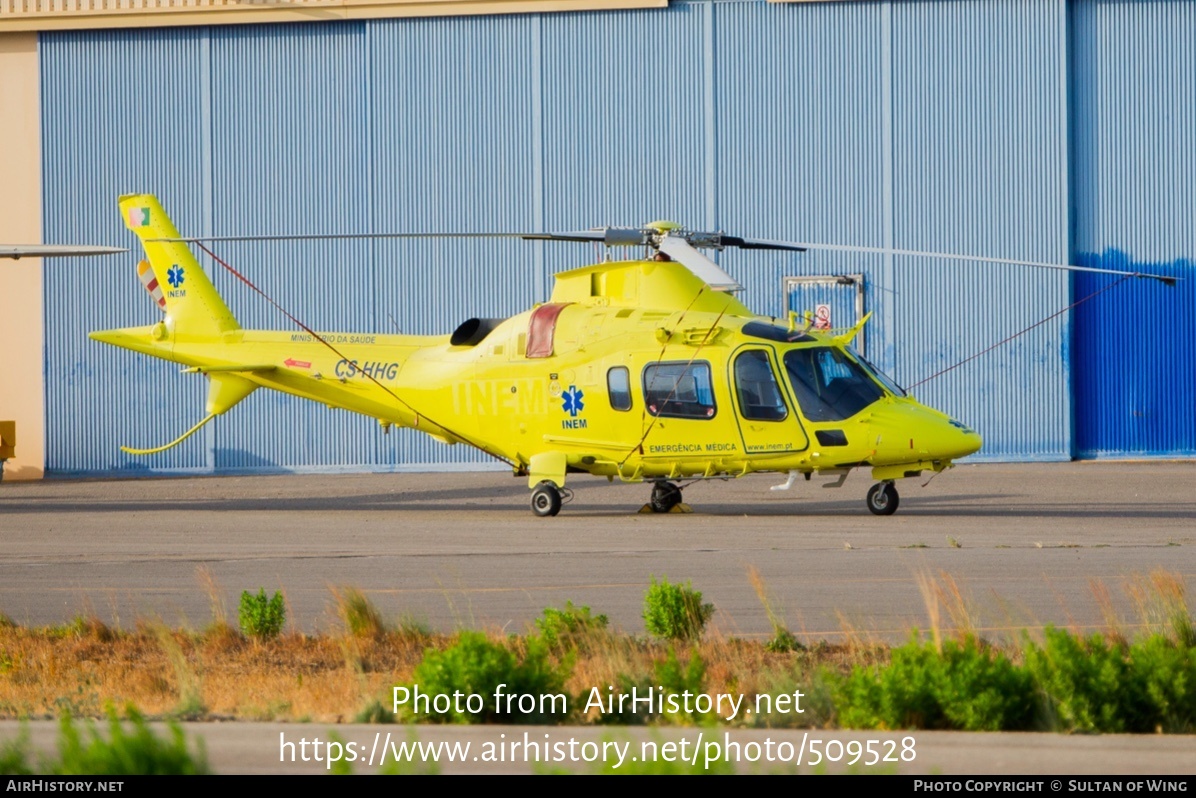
x=1014 y=128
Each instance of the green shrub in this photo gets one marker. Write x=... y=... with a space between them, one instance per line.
x=669 y=678
x=136 y=752
x=477 y=665
x=571 y=627
x=1164 y=676
x=260 y=616
x=774 y=704
x=1096 y=685
x=14 y=756
x=675 y=612
x=675 y=679
x=965 y=686
x=782 y=641
x=1082 y=681
x=1089 y=685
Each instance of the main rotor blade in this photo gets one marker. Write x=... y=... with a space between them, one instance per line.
x=331 y=237
x=610 y=236
x=576 y=236
x=55 y=251
x=1166 y=280
x=752 y=243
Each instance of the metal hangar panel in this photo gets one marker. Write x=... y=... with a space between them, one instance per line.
x=978 y=127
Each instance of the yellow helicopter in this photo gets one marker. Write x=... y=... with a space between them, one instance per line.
x=642 y=370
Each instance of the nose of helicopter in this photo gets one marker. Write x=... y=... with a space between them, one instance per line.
x=910 y=430
x=959 y=440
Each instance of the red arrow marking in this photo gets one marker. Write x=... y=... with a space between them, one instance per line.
x=303 y=364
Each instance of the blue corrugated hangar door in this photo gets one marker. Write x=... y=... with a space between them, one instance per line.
x=1134 y=362
x=1134 y=147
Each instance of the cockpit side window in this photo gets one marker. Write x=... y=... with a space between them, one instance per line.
x=679 y=390
x=756 y=385
x=829 y=386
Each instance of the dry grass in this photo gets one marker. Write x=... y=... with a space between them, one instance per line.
x=782 y=638
x=360 y=617
x=211 y=588
x=1114 y=625
x=1162 y=605
x=943 y=594
x=218 y=674
x=85 y=666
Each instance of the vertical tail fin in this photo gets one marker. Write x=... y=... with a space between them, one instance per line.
x=191 y=301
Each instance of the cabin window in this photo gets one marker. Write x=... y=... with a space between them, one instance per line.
x=679 y=390
x=759 y=395
x=618 y=384
x=829 y=385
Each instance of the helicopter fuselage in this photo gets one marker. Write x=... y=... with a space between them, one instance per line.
x=626 y=392
x=636 y=370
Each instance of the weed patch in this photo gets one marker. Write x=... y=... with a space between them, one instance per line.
x=1097 y=685
x=571 y=627
x=965 y=686
x=136 y=751
x=476 y=665
x=261 y=617
x=675 y=612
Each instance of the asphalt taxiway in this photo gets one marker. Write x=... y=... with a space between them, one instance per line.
x=1022 y=545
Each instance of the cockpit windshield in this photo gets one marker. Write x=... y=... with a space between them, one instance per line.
x=881 y=377
x=829 y=385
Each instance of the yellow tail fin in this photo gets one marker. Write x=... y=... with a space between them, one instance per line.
x=192 y=305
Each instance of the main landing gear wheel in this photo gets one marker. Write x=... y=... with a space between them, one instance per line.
x=665 y=496
x=546 y=500
x=882 y=498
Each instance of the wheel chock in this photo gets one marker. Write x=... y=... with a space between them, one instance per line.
x=680 y=507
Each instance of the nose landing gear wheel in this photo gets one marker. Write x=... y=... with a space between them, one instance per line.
x=546 y=500
x=882 y=498
x=665 y=496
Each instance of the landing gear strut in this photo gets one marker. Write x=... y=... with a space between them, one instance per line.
x=665 y=496
x=546 y=499
x=882 y=498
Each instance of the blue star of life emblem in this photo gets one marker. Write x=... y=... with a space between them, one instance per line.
x=573 y=404
x=174 y=276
